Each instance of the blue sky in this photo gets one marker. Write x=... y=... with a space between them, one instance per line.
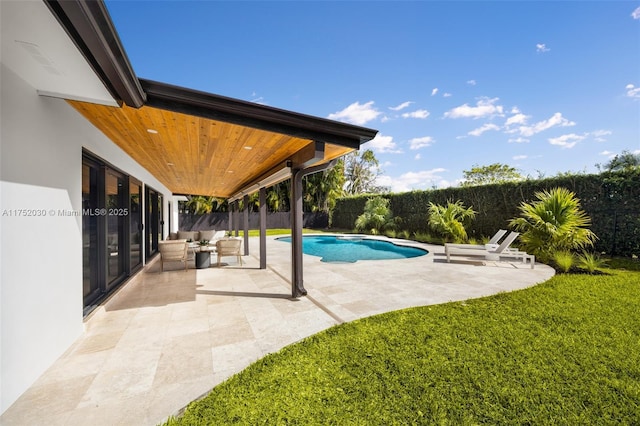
x=545 y=87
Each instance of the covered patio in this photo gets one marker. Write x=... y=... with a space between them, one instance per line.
x=166 y=339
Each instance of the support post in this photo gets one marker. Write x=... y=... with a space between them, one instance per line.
x=297 y=284
x=246 y=225
x=230 y=226
x=236 y=218
x=263 y=228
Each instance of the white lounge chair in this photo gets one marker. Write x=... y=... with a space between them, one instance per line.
x=494 y=240
x=501 y=251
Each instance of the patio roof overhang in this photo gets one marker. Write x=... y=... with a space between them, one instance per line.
x=205 y=144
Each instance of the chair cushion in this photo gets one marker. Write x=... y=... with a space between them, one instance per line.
x=188 y=235
x=207 y=235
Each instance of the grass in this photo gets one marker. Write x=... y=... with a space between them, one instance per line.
x=564 y=352
x=277 y=231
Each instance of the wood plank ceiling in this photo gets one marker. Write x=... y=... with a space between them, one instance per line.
x=195 y=155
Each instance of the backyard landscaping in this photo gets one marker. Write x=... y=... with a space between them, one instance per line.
x=564 y=352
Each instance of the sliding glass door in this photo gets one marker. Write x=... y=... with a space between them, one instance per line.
x=154 y=228
x=90 y=234
x=135 y=224
x=116 y=218
x=111 y=229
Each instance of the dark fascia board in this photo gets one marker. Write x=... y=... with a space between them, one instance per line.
x=90 y=27
x=230 y=110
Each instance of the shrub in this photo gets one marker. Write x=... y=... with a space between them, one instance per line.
x=423 y=237
x=590 y=262
x=377 y=216
x=555 y=222
x=450 y=221
x=564 y=260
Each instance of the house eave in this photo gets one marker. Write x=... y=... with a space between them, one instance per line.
x=91 y=29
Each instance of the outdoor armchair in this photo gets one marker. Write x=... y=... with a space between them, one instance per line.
x=173 y=251
x=229 y=247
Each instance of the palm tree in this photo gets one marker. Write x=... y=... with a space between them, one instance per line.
x=377 y=216
x=199 y=204
x=451 y=220
x=361 y=171
x=278 y=196
x=322 y=189
x=555 y=222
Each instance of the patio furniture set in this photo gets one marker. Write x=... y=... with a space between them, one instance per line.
x=183 y=246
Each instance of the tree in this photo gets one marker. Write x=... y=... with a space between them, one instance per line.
x=553 y=223
x=377 y=216
x=322 y=189
x=493 y=173
x=361 y=171
x=278 y=196
x=622 y=162
x=451 y=220
x=198 y=204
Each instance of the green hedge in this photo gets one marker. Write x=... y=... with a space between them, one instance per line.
x=612 y=201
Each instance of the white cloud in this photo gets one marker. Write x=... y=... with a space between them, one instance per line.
x=383 y=143
x=520 y=157
x=413 y=180
x=598 y=135
x=471 y=82
x=418 y=156
x=356 y=113
x=446 y=95
x=484 y=107
x=636 y=13
x=556 y=120
x=518 y=118
x=608 y=154
x=421 y=113
x=518 y=140
x=417 y=143
x=482 y=129
x=434 y=91
x=515 y=110
x=541 y=47
x=384 y=119
x=566 y=141
x=633 y=91
x=401 y=106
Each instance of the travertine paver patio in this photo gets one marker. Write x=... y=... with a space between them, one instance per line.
x=167 y=338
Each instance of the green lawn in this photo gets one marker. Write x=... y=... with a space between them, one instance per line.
x=564 y=352
x=277 y=231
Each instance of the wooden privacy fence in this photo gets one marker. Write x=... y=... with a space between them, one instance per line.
x=220 y=221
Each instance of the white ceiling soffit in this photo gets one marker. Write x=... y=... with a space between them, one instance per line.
x=37 y=48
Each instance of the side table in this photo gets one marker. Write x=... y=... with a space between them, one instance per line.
x=203 y=259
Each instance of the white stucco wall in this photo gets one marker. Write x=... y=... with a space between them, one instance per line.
x=41 y=141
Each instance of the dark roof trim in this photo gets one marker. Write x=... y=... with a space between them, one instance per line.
x=216 y=107
x=90 y=27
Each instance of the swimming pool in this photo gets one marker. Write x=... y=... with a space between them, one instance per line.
x=350 y=249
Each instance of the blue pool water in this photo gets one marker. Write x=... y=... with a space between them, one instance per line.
x=351 y=249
